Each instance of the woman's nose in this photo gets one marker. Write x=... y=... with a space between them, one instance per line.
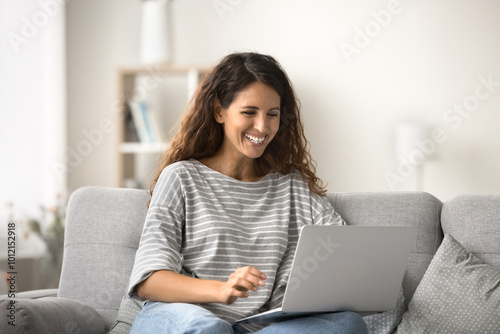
x=260 y=123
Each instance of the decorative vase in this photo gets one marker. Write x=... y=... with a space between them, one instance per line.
x=154 y=32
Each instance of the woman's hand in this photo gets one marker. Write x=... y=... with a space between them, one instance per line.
x=239 y=282
x=171 y=287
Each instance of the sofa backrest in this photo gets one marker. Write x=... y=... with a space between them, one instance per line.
x=103 y=228
x=474 y=221
x=418 y=209
x=104 y=225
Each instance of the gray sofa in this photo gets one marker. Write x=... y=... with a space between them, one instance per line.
x=103 y=229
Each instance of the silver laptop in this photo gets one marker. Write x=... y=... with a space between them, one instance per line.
x=344 y=268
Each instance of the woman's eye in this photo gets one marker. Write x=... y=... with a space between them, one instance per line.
x=248 y=113
x=274 y=115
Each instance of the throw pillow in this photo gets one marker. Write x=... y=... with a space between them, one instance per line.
x=458 y=294
x=129 y=308
x=50 y=315
x=386 y=322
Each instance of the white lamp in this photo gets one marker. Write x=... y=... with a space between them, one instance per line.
x=155 y=32
x=409 y=150
x=408 y=137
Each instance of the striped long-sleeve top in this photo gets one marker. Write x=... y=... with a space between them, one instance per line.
x=205 y=224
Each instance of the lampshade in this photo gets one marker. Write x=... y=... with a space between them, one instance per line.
x=154 y=32
x=408 y=140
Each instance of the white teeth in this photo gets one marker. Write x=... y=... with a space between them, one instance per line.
x=255 y=140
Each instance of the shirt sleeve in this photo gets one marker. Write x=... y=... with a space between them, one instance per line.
x=161 y=239
x=324 y=213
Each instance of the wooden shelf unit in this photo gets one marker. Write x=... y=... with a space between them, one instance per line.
x=167 y=84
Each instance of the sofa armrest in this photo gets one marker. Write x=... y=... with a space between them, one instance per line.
x=33 y=294
x=49 y=315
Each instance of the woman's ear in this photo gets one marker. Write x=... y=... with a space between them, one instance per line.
x=218 y=112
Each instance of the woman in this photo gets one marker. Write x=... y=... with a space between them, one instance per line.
x=232 y=193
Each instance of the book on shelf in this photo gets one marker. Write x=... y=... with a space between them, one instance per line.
x=144 y=122
x=130 y=135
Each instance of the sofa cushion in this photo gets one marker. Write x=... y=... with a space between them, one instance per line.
x=458 y=294
x=417 y=209
x=103 y=229
x=50 y=315
x=474 y=221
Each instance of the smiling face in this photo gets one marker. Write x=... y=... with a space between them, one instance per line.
x=250 y=122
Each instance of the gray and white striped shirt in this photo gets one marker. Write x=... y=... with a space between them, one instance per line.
x=205 y=224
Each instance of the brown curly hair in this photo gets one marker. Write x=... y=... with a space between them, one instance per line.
x=200 y=136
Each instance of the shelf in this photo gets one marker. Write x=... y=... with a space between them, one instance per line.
x=134 y=148
x=166 y=90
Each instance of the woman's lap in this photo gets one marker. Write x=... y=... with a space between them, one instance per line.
x=338 y=322
x=157 y=317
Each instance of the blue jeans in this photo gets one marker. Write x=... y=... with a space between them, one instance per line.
x=158 y=318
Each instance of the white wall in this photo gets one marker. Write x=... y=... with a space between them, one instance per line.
x=420 y=62
x=32 y=106
x=101 y=36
